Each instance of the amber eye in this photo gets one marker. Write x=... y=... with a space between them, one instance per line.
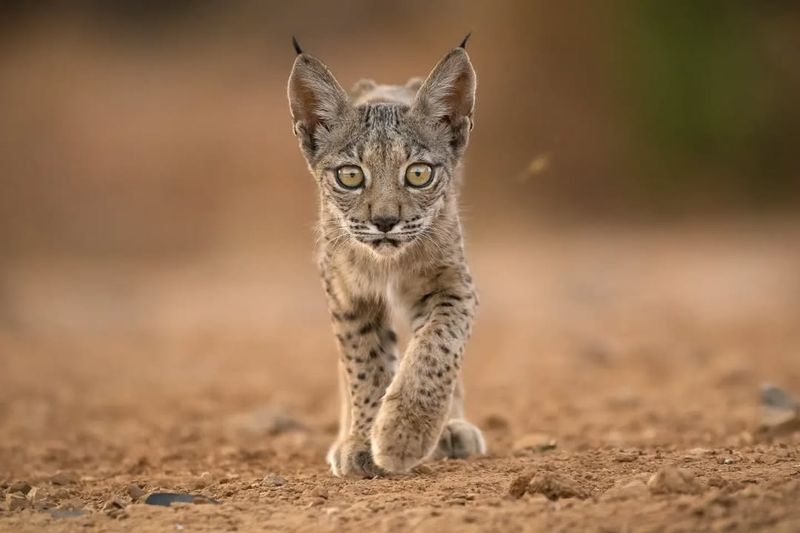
x=419 y=174
x=350 y=176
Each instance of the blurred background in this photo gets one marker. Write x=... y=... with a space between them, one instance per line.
x=631 y=198
x=149 y=129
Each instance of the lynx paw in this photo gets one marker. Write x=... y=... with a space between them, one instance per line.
x=352 y=458
x=403 y=435
x=459 y=440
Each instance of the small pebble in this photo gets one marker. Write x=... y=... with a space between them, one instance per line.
x=626 y=456
x=630 y=490
x=135 y=492
x=556 y=486
x=520 y=485
x=165 y=499
x=63 y=478
x=34 y=496
x=778 y=408
x=114 y=508
x=673 y=480
x=203 y=481
x=20 y=486
x=273 y=480
x=61 y=494
x=317 y=502
x=320 y=492
x=15 y=500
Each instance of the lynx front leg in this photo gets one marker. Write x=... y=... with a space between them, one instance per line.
x=418 y=402
x=366 y=347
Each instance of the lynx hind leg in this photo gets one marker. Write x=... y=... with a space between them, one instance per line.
x=460 y=439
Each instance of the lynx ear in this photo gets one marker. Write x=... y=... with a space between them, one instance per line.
x=448 y=94
x=316 y=100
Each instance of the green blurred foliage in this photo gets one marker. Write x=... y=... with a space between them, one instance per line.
x=710 y=103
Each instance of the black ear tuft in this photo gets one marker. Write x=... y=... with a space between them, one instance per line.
x=464 y=42
x=297 y=45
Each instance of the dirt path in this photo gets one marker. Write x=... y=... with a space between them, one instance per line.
x=599 y=361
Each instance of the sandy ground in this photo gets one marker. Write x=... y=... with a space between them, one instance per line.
x=616 y=376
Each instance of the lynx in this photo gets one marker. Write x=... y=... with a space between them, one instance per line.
x=387 y=162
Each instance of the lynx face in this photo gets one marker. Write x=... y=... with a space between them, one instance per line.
x=386 y=159
x=387 y=186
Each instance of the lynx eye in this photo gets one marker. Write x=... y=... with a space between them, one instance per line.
x=419 y=175
x=350 y=176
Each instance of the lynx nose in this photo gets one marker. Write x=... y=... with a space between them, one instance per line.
x=385 y=224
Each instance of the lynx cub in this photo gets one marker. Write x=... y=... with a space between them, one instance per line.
x=386 y=159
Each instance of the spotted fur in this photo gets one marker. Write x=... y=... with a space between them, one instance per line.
x=396 y=411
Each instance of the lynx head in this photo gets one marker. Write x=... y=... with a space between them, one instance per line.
x=385 y=157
